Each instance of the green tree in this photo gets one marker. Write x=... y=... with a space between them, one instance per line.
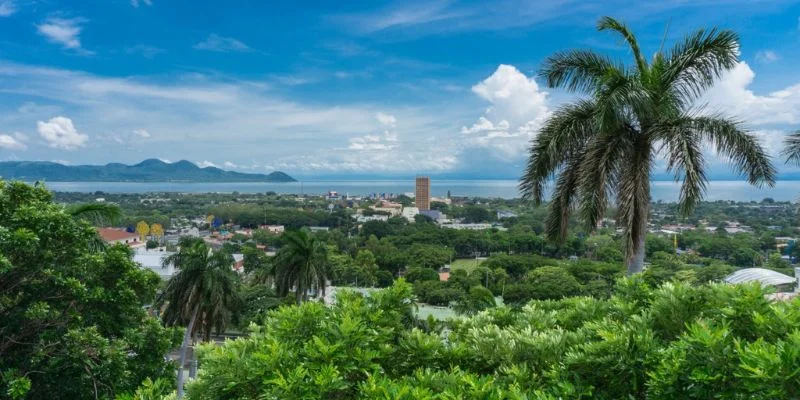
x=607 y=143
x=72 y=318
x=552 y=283
x=204 y=289
x=477 y=299
x=302 y=264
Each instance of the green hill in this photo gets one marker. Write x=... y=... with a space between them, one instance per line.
x=151 y=170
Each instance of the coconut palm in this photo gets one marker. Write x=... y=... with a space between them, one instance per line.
x=301 y=264
x=605 y=145
x=203 y=290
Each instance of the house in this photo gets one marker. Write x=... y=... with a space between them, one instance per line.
x=121 y=236
x=366 y=218
x=318 y=228
x=276 y=229
x=433 y=214
x=503 y=214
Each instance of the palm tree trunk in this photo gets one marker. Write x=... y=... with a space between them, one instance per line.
x=187 y=336
x=636 y=263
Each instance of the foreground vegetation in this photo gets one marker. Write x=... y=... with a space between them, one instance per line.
x=673 y=341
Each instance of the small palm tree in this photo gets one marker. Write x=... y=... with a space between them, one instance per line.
x=301 y=264
x=606 y=144
x=204 y=290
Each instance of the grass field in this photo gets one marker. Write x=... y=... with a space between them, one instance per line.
x=467 y=264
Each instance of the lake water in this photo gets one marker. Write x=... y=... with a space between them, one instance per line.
x=661 y=190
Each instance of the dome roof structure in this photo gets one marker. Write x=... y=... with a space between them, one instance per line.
x=765 y=276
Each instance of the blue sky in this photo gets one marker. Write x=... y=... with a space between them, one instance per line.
x=343 y=89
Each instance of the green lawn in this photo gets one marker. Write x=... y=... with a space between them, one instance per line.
x=467 y=264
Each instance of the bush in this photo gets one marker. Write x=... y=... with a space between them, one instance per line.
x=677 y=341
x=518 y=294
x=418 y=274
x=552 y=283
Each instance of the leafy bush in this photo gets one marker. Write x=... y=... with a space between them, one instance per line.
x=417 y=274
x=675 y=341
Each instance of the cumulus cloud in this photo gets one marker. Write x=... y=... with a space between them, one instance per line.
x=65 y=32
x=15 y=142
x=229 y=164
x=386 y=119
x=141 y=133
x=60 y=133
x=767 y=56
x=219 y=43
x=517 y=110
x=7 y=8
x=731 y=95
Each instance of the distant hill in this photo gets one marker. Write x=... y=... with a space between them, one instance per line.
x=150 y=170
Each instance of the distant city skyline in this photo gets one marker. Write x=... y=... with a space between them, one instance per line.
x=446 y=89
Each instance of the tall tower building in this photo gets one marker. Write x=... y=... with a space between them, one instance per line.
x=423 y=193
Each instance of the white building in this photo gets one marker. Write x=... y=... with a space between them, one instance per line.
x=276 y=229
x=409 y=213
x=366 y=218
x=154 y=261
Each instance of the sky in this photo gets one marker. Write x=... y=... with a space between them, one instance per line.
x=329 y=89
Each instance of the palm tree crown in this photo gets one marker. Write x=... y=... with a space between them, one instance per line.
x=605 y=144
x=301 y=264
x=203 y=290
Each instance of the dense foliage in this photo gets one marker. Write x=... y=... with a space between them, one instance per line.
x=673 y=341
x=72 y=322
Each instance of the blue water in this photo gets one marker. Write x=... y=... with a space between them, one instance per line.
x=661 y=190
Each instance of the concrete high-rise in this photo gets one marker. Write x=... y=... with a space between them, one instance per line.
x=423 y=193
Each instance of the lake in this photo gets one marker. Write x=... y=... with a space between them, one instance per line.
x=661 y=190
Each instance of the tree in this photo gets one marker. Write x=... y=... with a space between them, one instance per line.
x=142 y=229
x=608 y=143
x=204 y=290
x=301 y=264
x=418 y=274
x=72 y=317
x=157 y=231
x=552 y=283
x=478 y=299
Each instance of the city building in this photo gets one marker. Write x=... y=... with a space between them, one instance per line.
x=410 y=212
x=114 y=236
x=422 y=195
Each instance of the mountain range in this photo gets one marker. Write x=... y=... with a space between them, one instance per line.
x=151 y=170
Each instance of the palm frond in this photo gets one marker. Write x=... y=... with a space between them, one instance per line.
x=700 y=59
x=633 y=196
x=598 y=175
x=579 y=70
x=685 y=159
x=740 y=147
x=791 y=149
x=563 y=134
x=608 y=23
x=96 y=212
x=564 y=194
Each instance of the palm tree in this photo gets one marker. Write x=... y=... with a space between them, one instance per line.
x=301 y=264
x=204 y=290
x=606 y=144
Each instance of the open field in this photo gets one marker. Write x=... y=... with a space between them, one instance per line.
x=467 y=264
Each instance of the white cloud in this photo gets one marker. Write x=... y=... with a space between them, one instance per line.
x=219 y=43
x=205 y=164
x=229 y=164
x=141 y=133
x=60 y=133
x=224 y=119
x=7 y=8
x=518 y=109
x=767 y=56
x=15 y=142
x=731 y=95
x=136 y=3
x=63 y=31
x=386 y=119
